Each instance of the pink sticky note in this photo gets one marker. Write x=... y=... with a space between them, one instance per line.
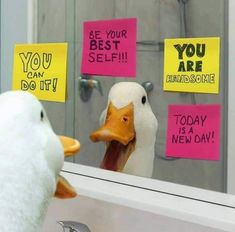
x=193 y=131
x=109 y=47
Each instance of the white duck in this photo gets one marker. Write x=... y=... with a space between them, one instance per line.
x=130 y=130
x=31 y=157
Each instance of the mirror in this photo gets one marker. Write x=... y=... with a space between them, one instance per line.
x=59 y=21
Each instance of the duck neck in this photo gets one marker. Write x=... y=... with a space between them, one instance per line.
x=141 y=161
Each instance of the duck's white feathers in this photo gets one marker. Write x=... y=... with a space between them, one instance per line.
x=31 y=157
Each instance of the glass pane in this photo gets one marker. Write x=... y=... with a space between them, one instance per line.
x=62 y=20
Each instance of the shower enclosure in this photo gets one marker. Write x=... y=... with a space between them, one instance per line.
x=62 y=20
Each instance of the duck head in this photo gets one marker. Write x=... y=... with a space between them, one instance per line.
x=28 y=138
x=129 y=127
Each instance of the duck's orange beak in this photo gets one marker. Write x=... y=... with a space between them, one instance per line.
x=119 y=125
x=64 y=189
x=71 y=146
x=119 y=133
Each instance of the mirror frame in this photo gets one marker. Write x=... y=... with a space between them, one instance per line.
x=231 y=100
x=27 y=34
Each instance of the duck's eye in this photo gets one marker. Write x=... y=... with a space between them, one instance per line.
x=143 y=99
x=42 y=115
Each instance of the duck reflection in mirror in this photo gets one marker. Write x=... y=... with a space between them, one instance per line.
x=129 y=129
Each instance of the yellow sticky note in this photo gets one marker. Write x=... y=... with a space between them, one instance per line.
x=41 y=69
x=192 y=65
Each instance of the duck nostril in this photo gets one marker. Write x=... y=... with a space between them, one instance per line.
x=125 y=119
